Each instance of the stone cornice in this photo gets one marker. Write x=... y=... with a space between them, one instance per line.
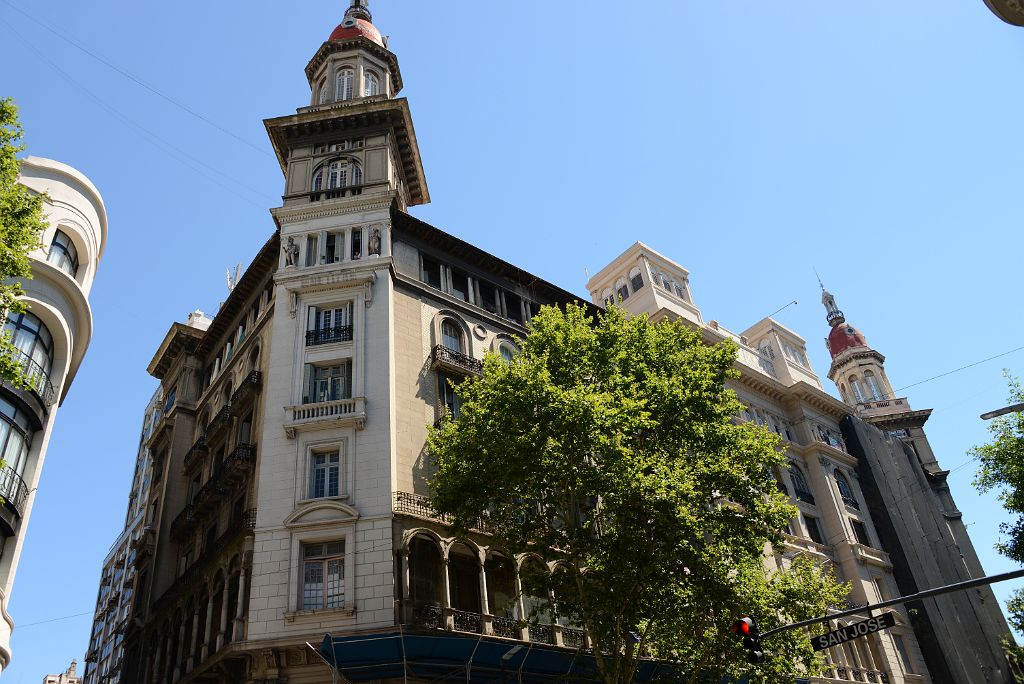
x=331 y=47
x=310 y=212
x=894 y=421
x=852 y=355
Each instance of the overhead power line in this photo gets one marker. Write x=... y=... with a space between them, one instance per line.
x=180 y=105
x=957 y=370
x=56 y=619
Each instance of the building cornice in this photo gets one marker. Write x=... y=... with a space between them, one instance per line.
x=331 y=47
x=894 y=421
x=851 y=355
x=331 y=208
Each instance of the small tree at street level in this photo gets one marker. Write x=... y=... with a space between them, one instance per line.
x=1002 y=471
x=21 y=225
x=609 y=449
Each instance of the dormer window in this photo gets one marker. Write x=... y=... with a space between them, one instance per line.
x=371 y=85
x=339 y=173
x=63 y=253
x=343 y=84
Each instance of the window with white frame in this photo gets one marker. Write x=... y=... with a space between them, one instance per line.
x=337 y=173
x=507 y=351
x=327 y=383
x=63 y=253
x=344 y=83
x=325 y=93
x=451 y=336
x=873 y=388
x=371 y=86
x=323 y=575
x=312 y=252
x=858 y=390
x=325 y=474
x=326 y=325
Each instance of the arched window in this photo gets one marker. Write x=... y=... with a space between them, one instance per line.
x=338 y=173
x=32 y=338
x=343 y=84
x=371 y=86
x=63 y=253
x=425 y=581
x=451 y=336
x=846 y=491
x=858 y=389
x=15 y=440
x=801 y=490
x=507 y=351
x=636 y=279
x=873 y=388
x=324 y=91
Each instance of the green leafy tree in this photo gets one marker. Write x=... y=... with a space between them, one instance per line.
x=1002 y=471
x=608 y=448
x=21 y=225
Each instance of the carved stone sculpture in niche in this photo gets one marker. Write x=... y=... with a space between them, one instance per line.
x=291 y=253
x=375 y=241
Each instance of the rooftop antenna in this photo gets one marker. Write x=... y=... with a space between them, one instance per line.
x=232 y=280
x=819 y=280
x=783 y=308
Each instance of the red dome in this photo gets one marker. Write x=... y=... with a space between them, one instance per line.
x=353 y=28
x=844 y=336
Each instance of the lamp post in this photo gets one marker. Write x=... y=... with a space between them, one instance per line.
x=1009 y=11
x=1016 y=408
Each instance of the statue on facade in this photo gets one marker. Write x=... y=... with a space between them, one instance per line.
x=291 y=253
x=375 y=241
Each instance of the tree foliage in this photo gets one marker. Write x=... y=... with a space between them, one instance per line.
x=21 y=225
x=1002 y=471
x=608 y=448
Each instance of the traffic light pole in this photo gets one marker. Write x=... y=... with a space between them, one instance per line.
x=949 y=588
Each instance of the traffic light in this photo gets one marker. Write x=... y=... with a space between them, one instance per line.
x=746 y=627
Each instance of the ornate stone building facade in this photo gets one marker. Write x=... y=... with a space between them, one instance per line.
x=288 y=498
x=52 y=336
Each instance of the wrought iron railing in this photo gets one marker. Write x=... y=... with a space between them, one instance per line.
x=542 y=634
x=35 y=377
x=220 y=421
x=252 y=382
x=419 y=506
x=427 y=615
x=195 y=453
x=506 y=627
x=339 y=333
x=13 y=490
x=572 y=637
x=183 y=522
x=239 y=461
x=465 y=621
x=457 y=359
x=804 y=495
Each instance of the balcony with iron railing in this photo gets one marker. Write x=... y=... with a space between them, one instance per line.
x=220 y=422
x=247 y=388
x=457 y=361
x=13 y=490
x=35 y=378
x=184 y=523
x=418 y=506
x=431 y=616
x=194 y=456
x=339 y=333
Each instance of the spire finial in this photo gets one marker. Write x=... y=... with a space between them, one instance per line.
x=819 y=280
x=359 y=9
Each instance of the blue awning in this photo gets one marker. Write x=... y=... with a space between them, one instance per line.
x=465 y=658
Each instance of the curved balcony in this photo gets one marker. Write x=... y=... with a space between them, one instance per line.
x=184 y=523
x=36 y=378
x=13 y=490
x=457 y=361
x=220 y=422
x=194 y=456
x=248 y=387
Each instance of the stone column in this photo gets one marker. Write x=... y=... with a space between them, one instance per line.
x=179 y=655
x=209 y=627
x=190 y=662
x=236 y=632
x=406 y=585
x=157 y=662
x=485 y=608
x=524 y=633
x=446 y=597
x=223 y=615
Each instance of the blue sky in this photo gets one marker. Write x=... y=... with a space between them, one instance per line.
x=875 y=141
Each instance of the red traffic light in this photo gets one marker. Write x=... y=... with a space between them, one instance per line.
x=743 y=626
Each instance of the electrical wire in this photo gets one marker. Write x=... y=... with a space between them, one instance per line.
x=56 y=619
x=185 y=108
x=164 y=145
x=957 y=370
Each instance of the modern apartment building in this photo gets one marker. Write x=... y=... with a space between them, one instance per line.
x=289 y=496
x=52 y=335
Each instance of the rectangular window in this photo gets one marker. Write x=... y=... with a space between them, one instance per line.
x=449 y=399
x=431 y=272
x=171 y=396
x=312 y=250
x=813 y=531
x=860 y=532
x=323 y=575
x=324 y=326
x=328 y=383
x=623 y=292
x=513 y=308
x=488 y=297
x=357 y=244
x=332 y=248
x=901 y=648
x=325 y=475
x=460 y=285
x=637 y=282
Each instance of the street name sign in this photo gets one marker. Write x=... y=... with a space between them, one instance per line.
x=854 y=631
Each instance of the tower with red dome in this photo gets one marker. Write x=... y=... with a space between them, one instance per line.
x=857 y=369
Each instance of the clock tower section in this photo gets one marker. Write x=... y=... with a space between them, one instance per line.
x=350 y=155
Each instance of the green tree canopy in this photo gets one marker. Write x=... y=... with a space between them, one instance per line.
x=609 y=449
x=21 y=225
